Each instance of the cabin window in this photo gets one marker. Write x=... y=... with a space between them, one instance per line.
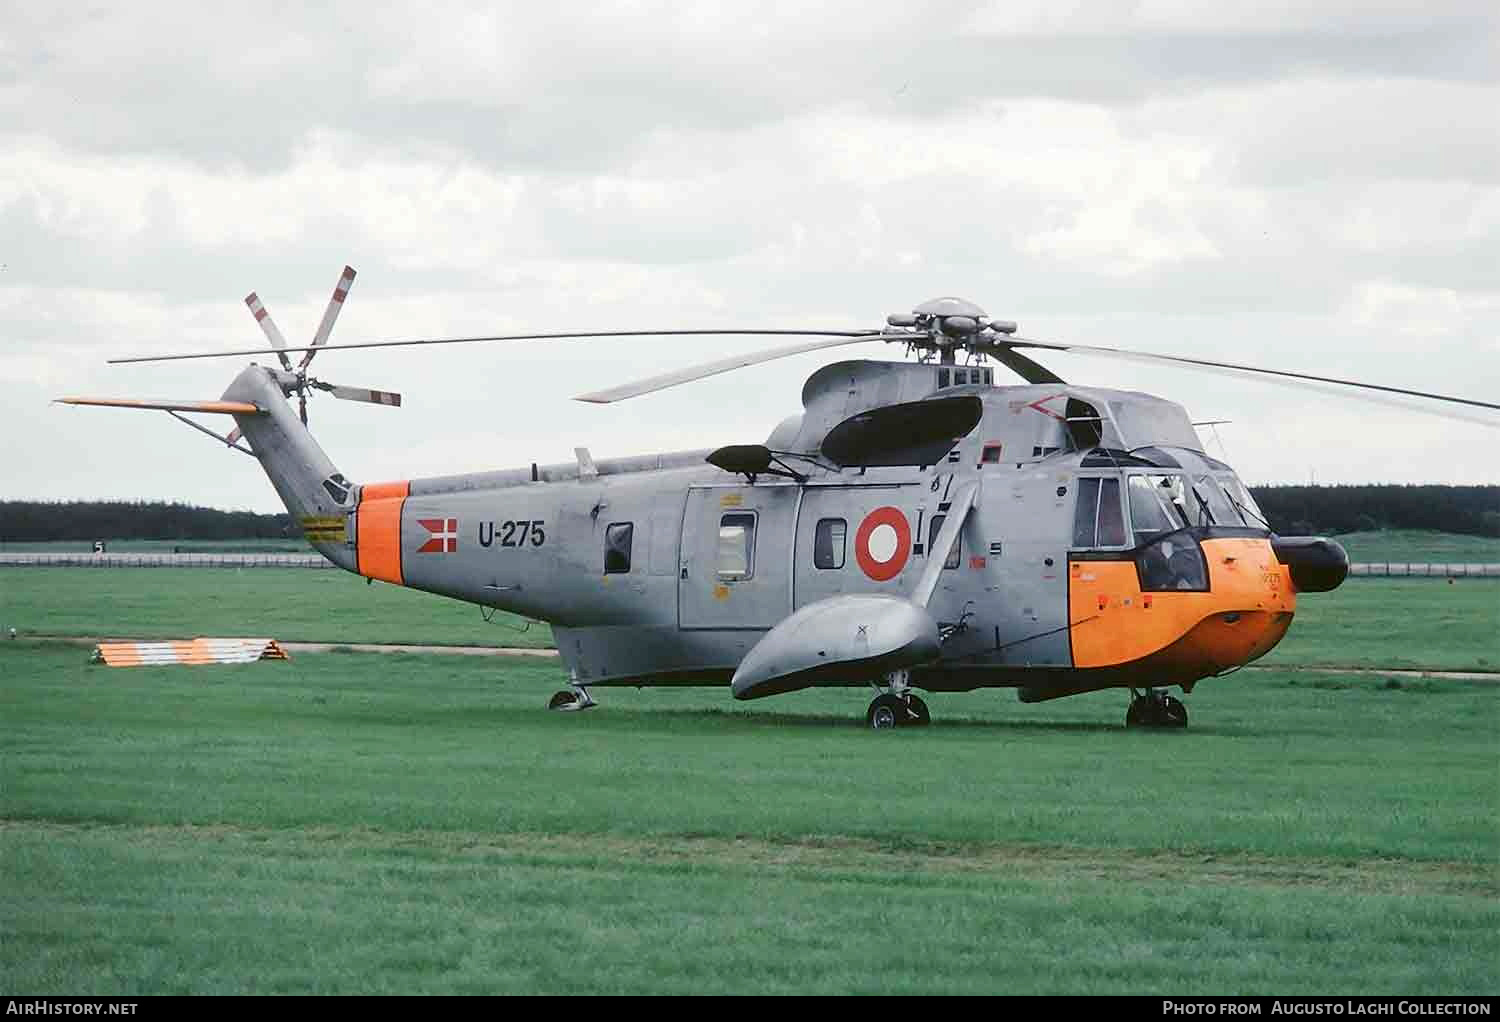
x=933 y=529
x=1098 y=518
x=737 y=545
x=942 y=378
x=617 y=542
x=990 y=454
x=828 y=543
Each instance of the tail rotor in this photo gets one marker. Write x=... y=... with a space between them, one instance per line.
x=295 y=380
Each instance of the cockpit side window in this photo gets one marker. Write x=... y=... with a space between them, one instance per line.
x=1098 y=519
x=1111 y=514
x=1085 y=514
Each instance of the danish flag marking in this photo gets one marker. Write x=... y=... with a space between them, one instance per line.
x=443 y=538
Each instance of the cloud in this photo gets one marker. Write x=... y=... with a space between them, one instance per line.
x=1309 y=185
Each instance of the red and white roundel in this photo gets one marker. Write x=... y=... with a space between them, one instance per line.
x=883 y=543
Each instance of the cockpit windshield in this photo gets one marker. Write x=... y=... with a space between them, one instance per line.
x=1240 y=498
x=1163 y=502
x=1156 y=506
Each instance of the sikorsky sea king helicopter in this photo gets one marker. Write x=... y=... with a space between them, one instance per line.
x=916 y=526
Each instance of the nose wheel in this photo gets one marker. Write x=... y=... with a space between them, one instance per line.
x=571 y=700
x=1155 y=709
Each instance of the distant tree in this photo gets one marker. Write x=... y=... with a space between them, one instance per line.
x=22 y=520
x=1336 y=509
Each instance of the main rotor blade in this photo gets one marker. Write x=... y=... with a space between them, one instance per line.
x=330 y=314
x=374 y=397
x=1025 y=368
x=872 y=335
x=268 y=327
x=723 y=365
x=1282 y=376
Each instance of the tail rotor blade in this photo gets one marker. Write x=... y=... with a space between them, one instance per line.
x=330 y=314
x=374 y=397
x=268 y=327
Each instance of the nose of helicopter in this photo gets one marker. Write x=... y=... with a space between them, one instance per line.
x=1238 y=616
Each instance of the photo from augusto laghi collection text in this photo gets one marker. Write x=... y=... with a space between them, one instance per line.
x=1331 y=1006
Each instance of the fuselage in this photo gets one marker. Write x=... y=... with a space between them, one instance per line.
x=1104 y=547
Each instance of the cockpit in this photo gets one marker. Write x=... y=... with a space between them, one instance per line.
x=1154 y=506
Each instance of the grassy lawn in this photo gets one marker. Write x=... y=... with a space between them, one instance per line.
x=282 y=603
x=1397 y=622
x=359 y=823
x=1420 y=546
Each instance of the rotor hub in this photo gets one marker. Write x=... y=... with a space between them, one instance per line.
x=944 y=325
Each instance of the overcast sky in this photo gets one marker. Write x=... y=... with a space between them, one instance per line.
x=1305 y=184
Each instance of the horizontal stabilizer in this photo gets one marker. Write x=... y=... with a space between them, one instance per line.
x=219 y=407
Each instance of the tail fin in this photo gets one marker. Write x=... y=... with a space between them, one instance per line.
x=319 y=498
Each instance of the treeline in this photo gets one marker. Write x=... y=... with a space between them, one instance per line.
x=1324 y=510
x=34 y=520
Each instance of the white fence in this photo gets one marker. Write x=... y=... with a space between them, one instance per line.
x=1393 y=569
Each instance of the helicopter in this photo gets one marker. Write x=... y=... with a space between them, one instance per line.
x=917 y=526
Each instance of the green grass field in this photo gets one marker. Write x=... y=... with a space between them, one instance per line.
x=1420 y=546
x=350 y=823
x=293 y=604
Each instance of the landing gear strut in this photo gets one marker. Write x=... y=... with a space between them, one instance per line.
x=571 y=700
x=1155 y=709
x=897 y=707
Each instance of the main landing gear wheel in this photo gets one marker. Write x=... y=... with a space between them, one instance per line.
x=885 y=712
x=891 y=711
x=1156 y=709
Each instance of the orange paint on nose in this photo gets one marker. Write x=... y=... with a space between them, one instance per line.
x=1244 y=614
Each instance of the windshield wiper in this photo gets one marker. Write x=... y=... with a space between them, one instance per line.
x=1247 y=511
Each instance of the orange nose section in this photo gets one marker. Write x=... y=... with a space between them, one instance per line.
x=1246 y=611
